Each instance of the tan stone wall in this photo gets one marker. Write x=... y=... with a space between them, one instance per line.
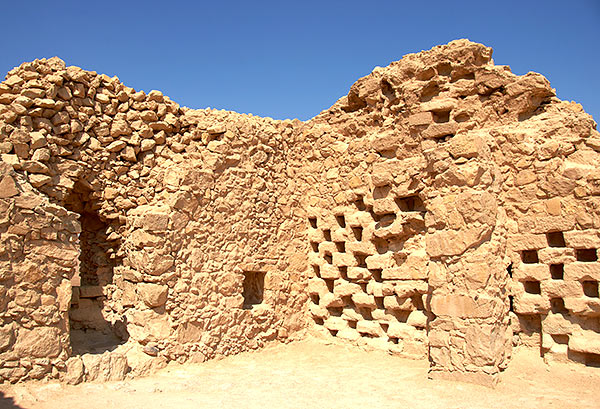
x=402 y=218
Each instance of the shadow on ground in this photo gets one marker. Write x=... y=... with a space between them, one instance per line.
x=7 y=402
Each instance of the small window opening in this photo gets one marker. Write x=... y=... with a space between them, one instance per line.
x=327 y=234
x=590 y=288
x=557 y=306
x=341 y=220
x=532 y=287
x=361 y=260
x=365 y=313
x=315 y=298
x=328 y=258
x=379 y=303
x=561 y=339
x=315 y=246
x=441 y=117
x=340 y=246
x=335 y=311
x=557 y=271
x=318 y=320
x=254 y=285
x=530 y=256
x=376 y=274
x=317 y=270
x=586 y=255
x=410 y=204
x=313 y=222
x=556 y=239
x=358 y=232
x=330 y=284
x=352 y=324
x=344 y=272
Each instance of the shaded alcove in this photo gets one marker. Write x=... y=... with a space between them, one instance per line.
x=93 y=329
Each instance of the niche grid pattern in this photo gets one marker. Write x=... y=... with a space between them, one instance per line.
x=555 y=296
x=370 y=273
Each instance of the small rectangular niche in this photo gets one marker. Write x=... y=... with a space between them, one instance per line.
x=340 y=246
x=327 y=234
x=410 y=204
x=254 y=286
x=376 y=274
x=313 y=222
x=532 y=287
x=317 y=270
x=358 y=232
x=315 y=246
x=441 y=117
x=328 y=258
x=315 y=298
x=341 y=220
x=530 y=256
x=586 y=255
x=556 y=239
x=343 y=272
x=557 y=306
x=590 y=288
x=557 y=271
x=361 y=260
x=562 y=339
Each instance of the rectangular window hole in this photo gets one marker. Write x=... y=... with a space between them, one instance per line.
x=376 y=274
x=343 y=272
x=341 y=220
x=365 y=313
x=335 y=311
x=384 y=220
x=557 y=306
x=381 y=192
x=444 y=138
x=361 y=260
x=340 y=246
x=313 y=222
x=590 y=288
x=327 y=234
x=357 y=231
x=328 y=258
x=315 y=246
x=315 y=298
x=253 y=288
x=532 y=287
x=330 y=283
x=557 y=271
x=530 y=256
x=561 y=339
x=360 y=204
x=379 y=303
x=410 y=204
x=586 y=255
x=556 y=239
x=317 y=270
x=441 y=116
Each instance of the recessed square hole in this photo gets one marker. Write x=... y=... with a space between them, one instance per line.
x=317 y=270
x=530 y=256
x=327 y=234
x=341 y=220
x=313 y=222
x=376 y=274
x=343 y=272
x=361 y=260
x=330 y=284
x=340 y=246
x=557 y=306
x=532 y=287
x=253 y=288
x=590 y=288
x=561 y=339
x=358 y=233
x=360 y=204
x=557 y=271
x=586 y=255
x=441 y=116
x=381 y=192
x=328 y=258
x=410 y=204
x=556 y=239
x=379 y=303
x=315 y=246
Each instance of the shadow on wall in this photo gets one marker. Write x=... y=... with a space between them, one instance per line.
x=8 y=402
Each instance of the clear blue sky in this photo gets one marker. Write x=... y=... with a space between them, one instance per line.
x=294 y=59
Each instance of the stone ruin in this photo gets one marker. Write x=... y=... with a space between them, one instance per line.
x=445 y=209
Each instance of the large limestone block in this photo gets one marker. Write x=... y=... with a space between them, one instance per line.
x=41 y=342
x=153 y=295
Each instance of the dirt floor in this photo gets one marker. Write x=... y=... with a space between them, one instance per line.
x=315 y=373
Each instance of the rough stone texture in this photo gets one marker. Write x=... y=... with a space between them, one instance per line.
x=445 y=208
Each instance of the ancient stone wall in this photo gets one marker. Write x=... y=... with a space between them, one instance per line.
x=444 y=209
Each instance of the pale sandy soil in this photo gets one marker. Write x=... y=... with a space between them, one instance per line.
x=314 y=374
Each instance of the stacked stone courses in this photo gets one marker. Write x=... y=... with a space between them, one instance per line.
x=445 y=209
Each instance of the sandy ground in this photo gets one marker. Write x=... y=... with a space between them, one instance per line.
x=315 y=374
